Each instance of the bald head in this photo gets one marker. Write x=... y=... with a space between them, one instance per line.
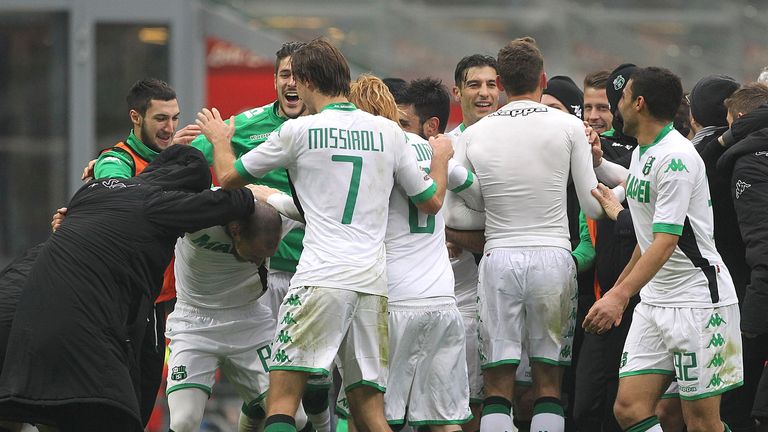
x=257 y=236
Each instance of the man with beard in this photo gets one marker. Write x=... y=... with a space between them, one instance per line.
x=686 y=326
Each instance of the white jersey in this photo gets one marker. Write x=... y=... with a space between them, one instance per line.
x=343 y=163
x=208 y=275
x=464 y=265
x=417 y=259
x=668 y=192
x=522 y=155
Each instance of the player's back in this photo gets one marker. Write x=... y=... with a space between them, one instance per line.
x=417 y=259
x=522 y=155
x=343 y=169
x=208 y=274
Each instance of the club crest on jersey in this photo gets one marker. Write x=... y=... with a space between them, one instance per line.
x=178 y=373
x=648 y=165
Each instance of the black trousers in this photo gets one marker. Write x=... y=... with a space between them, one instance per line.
x=597 y=376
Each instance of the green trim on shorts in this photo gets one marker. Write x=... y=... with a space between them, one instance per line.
x=647 y=372
x=644 y=425
x=396 y=422
x=548 y=361
x=670 y=396
x=440 y=422
x=316 y=371
x=202 y=387
x=365 y=383
x=712 y=393
x=515 y=362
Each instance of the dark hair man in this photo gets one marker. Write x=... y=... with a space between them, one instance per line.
x=426 y=108
x=342 y=264
x=507 y=172
x=686 y=288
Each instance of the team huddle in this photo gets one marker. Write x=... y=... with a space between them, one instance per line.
x=441 y=273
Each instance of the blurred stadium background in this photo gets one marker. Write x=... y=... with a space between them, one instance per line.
x=65 y=65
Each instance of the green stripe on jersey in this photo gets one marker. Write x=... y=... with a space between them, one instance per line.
x=668 y=228
x=427 y=194
x=467 y=183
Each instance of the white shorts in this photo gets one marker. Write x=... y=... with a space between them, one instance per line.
x=700 y=347
x=277 y=287
x=527 y=294
x=315 y=324
x=234 y=340
x=474 y=373
x=426 y=339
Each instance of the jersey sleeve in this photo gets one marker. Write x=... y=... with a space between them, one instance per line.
x=274 y=153
x=188 y=212
x=584 y=179
x=674 y=186
x=417 y=184
x=113 y=164
x=458 y=214
x=201 y=143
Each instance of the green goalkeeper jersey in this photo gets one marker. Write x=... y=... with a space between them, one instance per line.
x=252 y=128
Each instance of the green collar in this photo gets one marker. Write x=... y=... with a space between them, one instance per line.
x=340 y=106
x=609 y=133
x=462 y=127
x=275 y=112
x=662 y=133
x=140 y=148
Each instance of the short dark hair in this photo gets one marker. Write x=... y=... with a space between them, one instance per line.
x=470 y=61
x=661 y=89
x=146 y=90
x=597 y=79
x=747 y=98
x=324 y=66
x=430 y=98
x=286 y=50
x=398 y=87
x=520 y=64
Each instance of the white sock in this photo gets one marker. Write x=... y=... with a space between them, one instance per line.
x=548 y=415
x=321 y=421
x=496 y=416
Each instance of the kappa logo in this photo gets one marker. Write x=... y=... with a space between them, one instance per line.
x=619 y=82
x=741 y=187
x=676 y=165
x=115 y=184
x=518 y=112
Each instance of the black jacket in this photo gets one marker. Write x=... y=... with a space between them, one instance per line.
x=76 y=333
x=615 y=240
x=727 y=235
x=747 y=164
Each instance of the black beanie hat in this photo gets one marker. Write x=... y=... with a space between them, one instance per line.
x=567 y=92
x=616 y=82
x=707 y=99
